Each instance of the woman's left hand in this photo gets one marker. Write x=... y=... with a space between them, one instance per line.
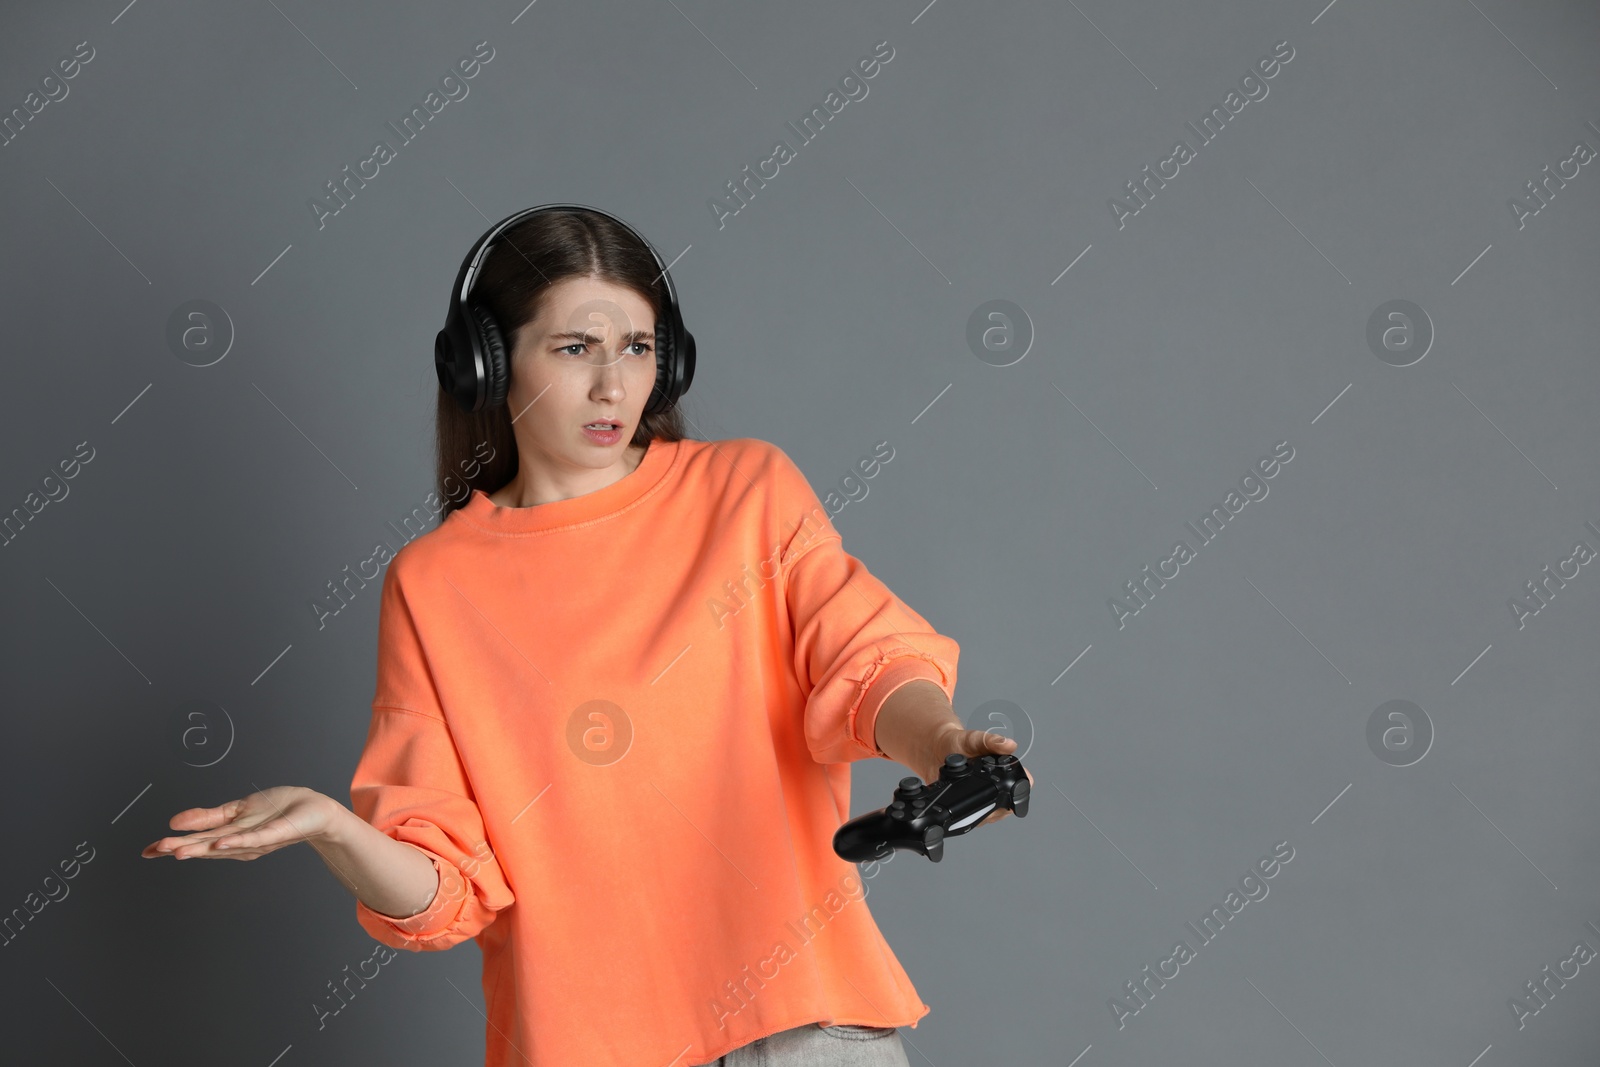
x=971 y=744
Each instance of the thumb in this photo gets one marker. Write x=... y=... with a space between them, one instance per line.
x=983 y=742
x=205 y=818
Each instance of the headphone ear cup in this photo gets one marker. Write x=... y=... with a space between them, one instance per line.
x=494 y=355
x=661 y=397
x=686 y=362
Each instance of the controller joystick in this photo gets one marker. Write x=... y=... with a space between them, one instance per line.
x=921 y=815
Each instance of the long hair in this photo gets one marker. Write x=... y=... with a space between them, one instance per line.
x=478 y=450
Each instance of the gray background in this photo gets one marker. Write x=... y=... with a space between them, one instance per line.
x=1230 y=314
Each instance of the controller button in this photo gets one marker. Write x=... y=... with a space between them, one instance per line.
x=909 y=786
x=955 y=766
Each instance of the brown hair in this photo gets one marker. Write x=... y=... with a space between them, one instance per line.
x=527 y=259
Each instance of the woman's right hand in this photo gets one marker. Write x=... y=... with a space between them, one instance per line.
x=249 y=827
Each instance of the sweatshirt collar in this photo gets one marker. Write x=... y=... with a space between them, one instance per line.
x=660 y=457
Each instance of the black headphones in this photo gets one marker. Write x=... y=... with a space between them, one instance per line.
x=470 y=356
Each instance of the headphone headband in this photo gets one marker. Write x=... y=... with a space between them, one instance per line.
x=470 y=354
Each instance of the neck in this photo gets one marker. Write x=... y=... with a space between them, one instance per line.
x=537 y=483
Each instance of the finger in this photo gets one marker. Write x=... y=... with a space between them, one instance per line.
x=268 y=835
x=206 y=847
x=206 y=818
x=969 y=742
x=1001 y=743
x=163 y=846
x=193 y=845
x=170 y=845
x=174 y=845
x=980 y=742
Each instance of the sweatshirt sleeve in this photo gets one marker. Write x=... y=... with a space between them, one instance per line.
x=410 y=784
x=855 y=641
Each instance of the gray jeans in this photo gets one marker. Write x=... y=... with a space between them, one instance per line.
x=814 y=1045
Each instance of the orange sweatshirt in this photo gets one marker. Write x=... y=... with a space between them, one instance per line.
x=621 y=726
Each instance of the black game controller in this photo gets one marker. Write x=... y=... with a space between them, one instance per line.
x=922 y=816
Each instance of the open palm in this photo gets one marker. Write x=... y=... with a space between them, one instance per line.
x=246 y=828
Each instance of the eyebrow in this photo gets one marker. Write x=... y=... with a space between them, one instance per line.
x=586 y=338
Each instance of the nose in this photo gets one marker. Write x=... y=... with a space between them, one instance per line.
x=608 y=380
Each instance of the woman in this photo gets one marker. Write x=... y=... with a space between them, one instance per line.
x=619 y=688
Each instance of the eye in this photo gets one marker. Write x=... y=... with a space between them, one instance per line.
x=567 y=349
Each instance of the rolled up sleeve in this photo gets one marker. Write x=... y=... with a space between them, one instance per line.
x=855 y=640
x=410 y=783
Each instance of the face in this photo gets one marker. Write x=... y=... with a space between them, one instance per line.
x=588 y=356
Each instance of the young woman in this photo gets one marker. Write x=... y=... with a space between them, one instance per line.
x=619 y=688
